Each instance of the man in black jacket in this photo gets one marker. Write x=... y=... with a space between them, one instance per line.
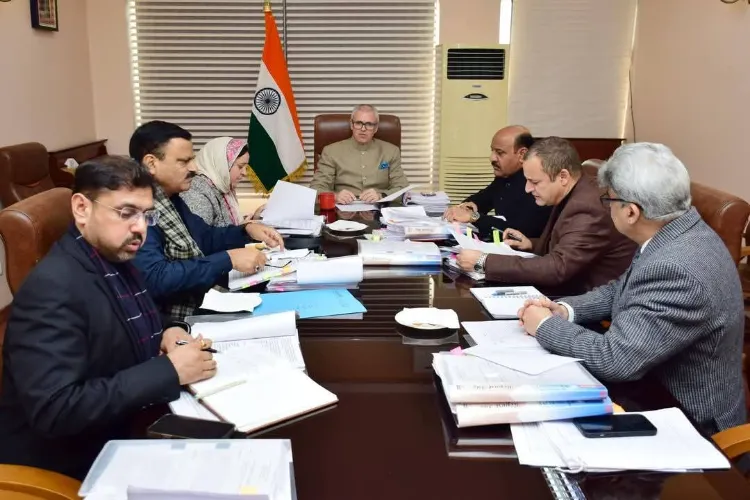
x=85 y=350
x=506 y=194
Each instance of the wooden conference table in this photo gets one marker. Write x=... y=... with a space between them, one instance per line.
x=385 y=438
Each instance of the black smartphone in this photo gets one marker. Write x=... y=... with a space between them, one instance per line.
x=172 y=426
x=615 y=425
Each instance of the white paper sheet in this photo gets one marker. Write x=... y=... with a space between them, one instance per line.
x=269 y=325
x=290 y=201
x=215 y=300
x=396 y=214
x=676 y=446
x=397 y=194
x=215 y=466
x=237 y=366
x=508 y=334
x=188 y=406
x=337 y=270
x=356 y=207
x=286 y=347
x=532 y=362
x=467 y=243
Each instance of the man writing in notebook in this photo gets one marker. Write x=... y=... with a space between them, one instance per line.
x=85 y=348
x=183 y=256
x=579 y=248
x=677 y=313
x=505 y=194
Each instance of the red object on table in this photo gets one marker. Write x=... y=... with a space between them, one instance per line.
x=327 y=201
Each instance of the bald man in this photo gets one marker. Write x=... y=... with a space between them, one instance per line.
x=506 y=194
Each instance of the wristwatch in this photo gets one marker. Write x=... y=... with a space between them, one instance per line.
x=474 y=216
x=479 y=266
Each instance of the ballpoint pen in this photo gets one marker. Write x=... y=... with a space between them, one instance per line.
x=207 y=349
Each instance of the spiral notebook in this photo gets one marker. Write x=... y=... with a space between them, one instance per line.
x=505 y=301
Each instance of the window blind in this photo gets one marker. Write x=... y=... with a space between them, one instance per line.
x=569 y=63
x=196 y=63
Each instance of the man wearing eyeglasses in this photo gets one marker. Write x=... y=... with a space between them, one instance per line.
x=360 y=167
x=85 y=348
x=677 y=313
x=579 y=248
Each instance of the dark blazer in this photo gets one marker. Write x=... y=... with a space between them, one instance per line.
x=677 y=315
x=71 y=378
x=175 y=281
x=507 y=196
x=579 y=249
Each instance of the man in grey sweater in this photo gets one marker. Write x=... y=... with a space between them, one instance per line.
x=677 y=313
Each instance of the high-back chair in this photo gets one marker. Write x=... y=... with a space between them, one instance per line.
x=24 y=172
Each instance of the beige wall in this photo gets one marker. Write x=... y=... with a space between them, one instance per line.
x=45 y=94
x=110 y=73
x=469 y=21
x=691 y=87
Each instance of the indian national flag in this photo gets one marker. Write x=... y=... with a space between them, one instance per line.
x=274 y=139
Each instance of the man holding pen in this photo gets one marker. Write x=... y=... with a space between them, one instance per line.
x=579 y=248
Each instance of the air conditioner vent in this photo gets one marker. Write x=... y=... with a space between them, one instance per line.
x=476 y=64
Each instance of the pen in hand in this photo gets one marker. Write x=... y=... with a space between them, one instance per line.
x=511 y=236
x=207 y=349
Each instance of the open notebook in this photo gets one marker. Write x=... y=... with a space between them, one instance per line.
x=260 y=377
x=505 y=301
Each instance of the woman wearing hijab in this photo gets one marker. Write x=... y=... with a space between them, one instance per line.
x=222 y=163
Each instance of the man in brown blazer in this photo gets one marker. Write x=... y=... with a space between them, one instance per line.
x=579 y=249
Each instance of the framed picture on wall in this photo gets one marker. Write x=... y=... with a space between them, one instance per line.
x=44 y=14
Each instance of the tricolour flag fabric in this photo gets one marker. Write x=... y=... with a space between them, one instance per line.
x=274 y=139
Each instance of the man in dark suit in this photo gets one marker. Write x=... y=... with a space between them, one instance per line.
x=85 y=349
x=677 y=313
x=579 y=248
x=505 y=194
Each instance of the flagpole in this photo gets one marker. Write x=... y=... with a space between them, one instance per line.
x=267 y=8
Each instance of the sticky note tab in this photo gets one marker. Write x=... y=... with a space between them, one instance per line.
x=617 y=408
x=375 y=236
x=468 y=232
x=496 y=236
x=457 y=351
x=248 y=490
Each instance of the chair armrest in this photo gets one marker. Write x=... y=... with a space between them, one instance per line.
x=37 y=482
x=735 y=441
x=744 y=251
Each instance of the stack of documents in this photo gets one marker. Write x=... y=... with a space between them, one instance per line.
x=434 y=203
x=676 y=447
x=291 y=210
x=399 y=253
x=219 y=469
x=277 y=264
x=259 y=380
x=517 y=384
x=339 y=272
x=504 y=302
x=413 y=223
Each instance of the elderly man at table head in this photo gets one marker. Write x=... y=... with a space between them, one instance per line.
x=579 y=248
x=677 y=313
x=505 y=194
x=183 y=256
x=360 y=166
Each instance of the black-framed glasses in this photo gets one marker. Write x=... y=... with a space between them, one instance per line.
x=364 y=125
x=133 y=215
x=606 y=201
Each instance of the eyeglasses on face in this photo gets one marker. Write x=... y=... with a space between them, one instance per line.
x=133 y=215
x=606 y=201
x=364 y=125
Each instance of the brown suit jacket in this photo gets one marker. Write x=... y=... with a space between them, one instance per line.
x=579 y=249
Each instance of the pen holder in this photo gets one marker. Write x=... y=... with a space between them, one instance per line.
x=327 y=201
